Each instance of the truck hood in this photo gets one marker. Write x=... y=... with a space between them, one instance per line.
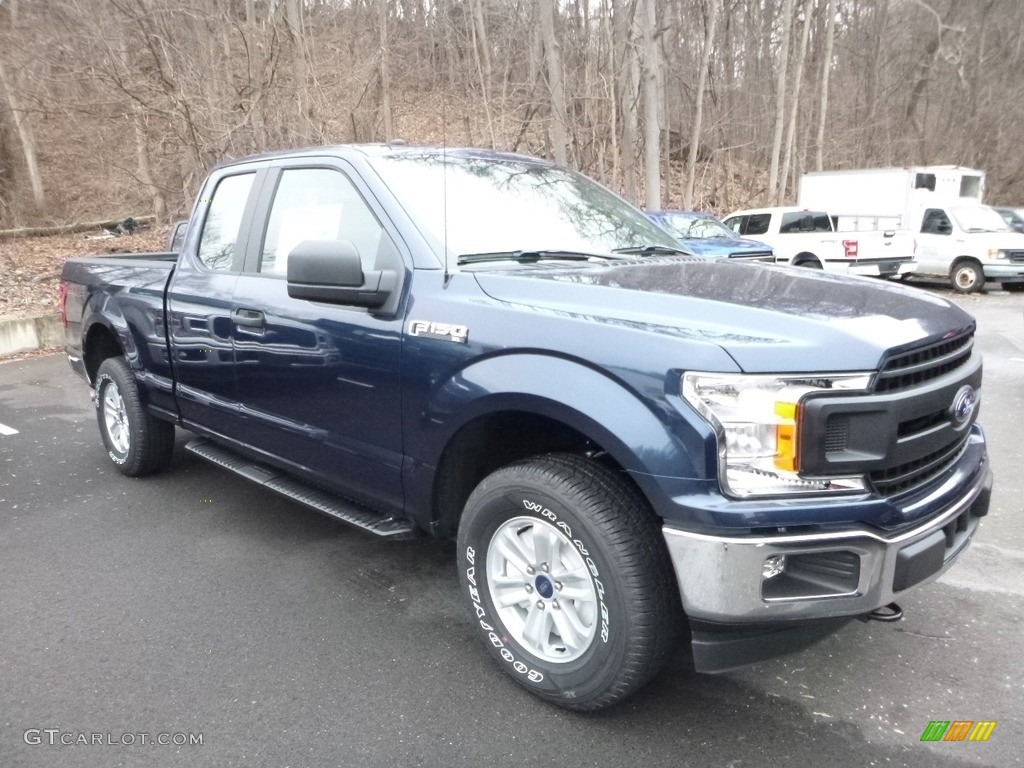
x=1006 y=241
x=724 y=246
x=767 y=318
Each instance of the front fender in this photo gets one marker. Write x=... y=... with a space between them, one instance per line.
x=643 y=425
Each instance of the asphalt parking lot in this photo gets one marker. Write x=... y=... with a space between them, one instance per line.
x=192 y=604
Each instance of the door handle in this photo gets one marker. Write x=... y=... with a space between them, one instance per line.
x=252 y=318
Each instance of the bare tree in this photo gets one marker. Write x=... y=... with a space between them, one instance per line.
x=780 y=99
x=698 y=108
x=826 y=69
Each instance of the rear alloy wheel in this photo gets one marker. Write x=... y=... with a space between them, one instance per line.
x=569 y=580
x=137 y=443
x=967 y=277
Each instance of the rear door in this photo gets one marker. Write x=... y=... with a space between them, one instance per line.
x=199 y=300
x=319 y=384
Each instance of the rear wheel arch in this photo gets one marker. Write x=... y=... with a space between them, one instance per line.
x=807 y=260
x=100 y=344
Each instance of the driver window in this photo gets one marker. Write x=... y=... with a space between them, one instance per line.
x=317 y=204
x=936 y=222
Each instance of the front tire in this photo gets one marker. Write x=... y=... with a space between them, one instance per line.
x=967 y=277
x=138 y=443
x=569 y=580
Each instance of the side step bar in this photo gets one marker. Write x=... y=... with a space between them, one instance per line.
x=303 y=492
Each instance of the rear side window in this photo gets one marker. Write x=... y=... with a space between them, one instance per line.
x=757 y=224
x=223 y=220
x=805 y=221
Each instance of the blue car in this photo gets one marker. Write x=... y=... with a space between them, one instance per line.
x=707 y=236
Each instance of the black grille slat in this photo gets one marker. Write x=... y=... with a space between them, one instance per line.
x=1015 y=257
x=909 y=369
x=903 y=477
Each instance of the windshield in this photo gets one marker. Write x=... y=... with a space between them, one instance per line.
x=481 y=204
x=979 y=218
x=698 y=227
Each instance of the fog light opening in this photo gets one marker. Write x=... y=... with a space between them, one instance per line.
x=774 y=565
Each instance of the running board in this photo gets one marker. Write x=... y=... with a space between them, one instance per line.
x=303 y=492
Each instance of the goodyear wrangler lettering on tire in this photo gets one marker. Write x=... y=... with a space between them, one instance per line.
x=568 y=580
x=474 y=594
x=588 y=561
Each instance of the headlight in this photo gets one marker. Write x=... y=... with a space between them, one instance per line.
x=757 y=419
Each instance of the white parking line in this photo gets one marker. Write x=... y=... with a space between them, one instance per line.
x=5 y=430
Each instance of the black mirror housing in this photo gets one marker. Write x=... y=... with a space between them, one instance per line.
x=332 y=271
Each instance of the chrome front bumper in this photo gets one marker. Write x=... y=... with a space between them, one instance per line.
x=720 y=577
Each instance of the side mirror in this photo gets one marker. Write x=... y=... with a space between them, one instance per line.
x=331 y=271
x=176 y=237
x=943 y=228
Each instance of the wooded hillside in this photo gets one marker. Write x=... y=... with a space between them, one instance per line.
x=118 y=107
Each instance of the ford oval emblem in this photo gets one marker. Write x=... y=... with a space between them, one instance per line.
x=964 y=403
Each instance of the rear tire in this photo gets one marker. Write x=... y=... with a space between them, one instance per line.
x=967 y=277
x=138 y=443
x=569 y=580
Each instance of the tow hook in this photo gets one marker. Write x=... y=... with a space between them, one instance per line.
x=887 y=613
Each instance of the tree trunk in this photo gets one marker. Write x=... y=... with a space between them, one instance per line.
x=795 y=107
x=556 y=91
x=293 y=18
x=385 y=73
x=627 y=84
x=826 y=68
x=28 y=147
x=698 y=110
x=780 y=100
x=145 y=173
x=649 y=94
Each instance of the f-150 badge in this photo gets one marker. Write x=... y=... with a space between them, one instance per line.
x=440 y=331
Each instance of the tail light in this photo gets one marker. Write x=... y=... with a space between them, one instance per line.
x=850 y=248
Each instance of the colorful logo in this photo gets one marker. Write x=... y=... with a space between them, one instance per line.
x=958 y=730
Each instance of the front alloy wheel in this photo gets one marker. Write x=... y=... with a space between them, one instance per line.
x=569 y=580
x=541 y=589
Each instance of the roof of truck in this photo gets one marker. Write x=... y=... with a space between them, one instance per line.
x=391 y=148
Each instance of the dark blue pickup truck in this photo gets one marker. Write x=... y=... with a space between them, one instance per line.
x=637 y=451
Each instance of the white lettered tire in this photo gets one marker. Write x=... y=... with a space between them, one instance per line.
x=569 y=581
x=136 y=442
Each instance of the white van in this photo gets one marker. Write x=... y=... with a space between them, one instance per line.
x=955 y=237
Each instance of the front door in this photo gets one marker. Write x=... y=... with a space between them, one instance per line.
x=319 y=384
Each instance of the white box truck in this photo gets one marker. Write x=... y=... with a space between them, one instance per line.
x=955 y=236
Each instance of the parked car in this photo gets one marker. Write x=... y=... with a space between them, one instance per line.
x=808 y=238
x=707 y=236
x=1014 y=218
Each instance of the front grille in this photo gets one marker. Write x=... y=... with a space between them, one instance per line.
x=909 y=369
x=895 y=480
x=1015 y=257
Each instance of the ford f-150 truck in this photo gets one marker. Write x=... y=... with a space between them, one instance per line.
x=636 y=451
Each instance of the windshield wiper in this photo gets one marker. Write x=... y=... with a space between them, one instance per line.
x=530 y=257
x=652 y=250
